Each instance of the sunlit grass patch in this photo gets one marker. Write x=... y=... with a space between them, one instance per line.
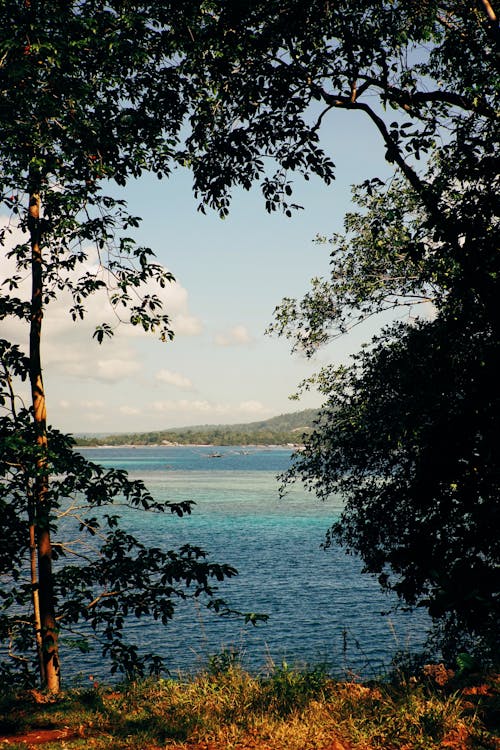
x=287 y=709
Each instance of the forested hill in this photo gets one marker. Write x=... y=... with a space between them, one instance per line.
x=286 y=428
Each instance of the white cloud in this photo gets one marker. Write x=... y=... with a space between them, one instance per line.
x=68 y=346
x=129 y=411
x=86 y=360
x=235 y=336
x=182 y=322
x=182 y=405
x=95 y=404
x=174 y=378
x=207 y=408
x=253 y=407
x=94 y=417
x=176 y=304
x=113 y=370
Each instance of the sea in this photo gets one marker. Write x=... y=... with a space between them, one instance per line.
x=322 y=610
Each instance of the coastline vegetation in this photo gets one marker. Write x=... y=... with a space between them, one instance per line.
x=282 y=430
x=288 y=708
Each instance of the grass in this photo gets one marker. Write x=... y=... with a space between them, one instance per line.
x=289 y=709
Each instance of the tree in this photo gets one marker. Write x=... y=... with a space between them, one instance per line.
x=90 y=94
x=409 y=432
x=416 y=457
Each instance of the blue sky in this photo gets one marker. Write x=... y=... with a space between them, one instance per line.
x=221 y=367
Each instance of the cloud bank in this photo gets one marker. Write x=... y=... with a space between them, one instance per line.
x=236 y=336
x=174 y=378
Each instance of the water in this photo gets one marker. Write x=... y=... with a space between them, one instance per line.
x=321 y=608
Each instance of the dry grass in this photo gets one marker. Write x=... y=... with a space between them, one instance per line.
x=288 y=710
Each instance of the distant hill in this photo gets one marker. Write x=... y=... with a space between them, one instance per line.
x=280 y=430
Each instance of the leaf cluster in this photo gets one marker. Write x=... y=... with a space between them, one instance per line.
x=89 y=95
x=408 y=437
x=264 y=78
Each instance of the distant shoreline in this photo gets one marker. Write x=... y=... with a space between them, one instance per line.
x=284 y=431
x=254 y=446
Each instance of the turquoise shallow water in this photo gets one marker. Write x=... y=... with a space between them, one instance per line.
x=320 y=606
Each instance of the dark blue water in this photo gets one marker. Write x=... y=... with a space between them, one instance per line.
x=321 y=608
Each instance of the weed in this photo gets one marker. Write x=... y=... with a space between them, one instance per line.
x=290 y=689
x=223 y=662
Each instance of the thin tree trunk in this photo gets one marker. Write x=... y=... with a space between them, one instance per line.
x=50 y=672
x=35 y=594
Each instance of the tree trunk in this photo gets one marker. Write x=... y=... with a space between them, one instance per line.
x=43 y=598
x=35 y=593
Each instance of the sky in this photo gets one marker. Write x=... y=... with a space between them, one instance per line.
x=230 y=274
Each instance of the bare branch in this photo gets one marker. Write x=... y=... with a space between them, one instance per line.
x=411 y=100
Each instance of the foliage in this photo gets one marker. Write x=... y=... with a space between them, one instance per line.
x=87 y=97
x=265 y=78
x=376 y=267
x=289 y=689
x=408 y=435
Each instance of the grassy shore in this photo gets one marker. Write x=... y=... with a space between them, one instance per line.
x=223 y=709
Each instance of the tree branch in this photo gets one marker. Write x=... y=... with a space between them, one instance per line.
x=104 y=595
x=409 y=100
x=393 y=154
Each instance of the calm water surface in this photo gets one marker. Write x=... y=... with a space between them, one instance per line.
x=320 y=606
